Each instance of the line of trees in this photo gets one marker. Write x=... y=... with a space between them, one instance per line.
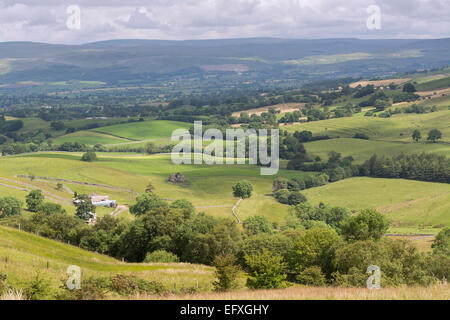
x=424 y=167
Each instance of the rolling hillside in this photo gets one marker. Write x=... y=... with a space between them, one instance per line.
x=25 y=255
x=256 y=60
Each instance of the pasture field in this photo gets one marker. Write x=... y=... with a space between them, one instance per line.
x=397 y=128
x=362 y=150
x=380 y=83
x=434 y=84
x=283 y=108
x=24 y=255
x=89 y=138
x=144 y=130
x=408 y=204
x=205 y=186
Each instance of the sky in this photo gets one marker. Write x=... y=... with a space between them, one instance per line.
x=83 y=21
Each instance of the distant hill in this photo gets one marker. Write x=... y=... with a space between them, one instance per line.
x=231 y=62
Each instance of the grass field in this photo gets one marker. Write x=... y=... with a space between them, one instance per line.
x=362 y=150
x=134 y=172
x=23 y=255
x=397 y=128
x=408 y=204
x=89 y=138
x=411 y=206
x=144 y=130
x=435 y=84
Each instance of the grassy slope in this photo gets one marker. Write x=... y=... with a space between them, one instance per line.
x=144 y=130
x=406 y=203
x=28 y=254
x=362 y=150
x=397 y=128
x=434 y=84
x=88 y=138
x=205 y=185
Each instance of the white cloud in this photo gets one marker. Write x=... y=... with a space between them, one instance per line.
x=45 y=20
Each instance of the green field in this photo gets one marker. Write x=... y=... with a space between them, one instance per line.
x=397 y=128
x=24 y=255
x=411 y=205
x=435 y=84
x=205 y=185
x=210 y=186
x=362 y=150
x=89 y=138
x=145 y=130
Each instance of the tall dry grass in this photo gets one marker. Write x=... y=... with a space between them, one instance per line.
x=12 y=294
x=436 y=292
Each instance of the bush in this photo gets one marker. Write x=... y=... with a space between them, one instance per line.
x=34 y=199
x=89 y=156
x=10 y=206
x=147 y=202
x=296 y=198
x=266 y=271
x=243 y=189
x=282 y=196
x=361 y=136
x=257 y=224
x=369 y=224
x=441 y=244
x=226 y=273
x=160 y=256
x=312 y=276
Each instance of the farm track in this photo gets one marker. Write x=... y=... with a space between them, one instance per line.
x=29 y=187
x=79 y=182
x=118 y=210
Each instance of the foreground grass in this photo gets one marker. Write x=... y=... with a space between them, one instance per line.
x=437 y=292
x=24 y=255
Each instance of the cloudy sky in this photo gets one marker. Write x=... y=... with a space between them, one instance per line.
x=49 y=20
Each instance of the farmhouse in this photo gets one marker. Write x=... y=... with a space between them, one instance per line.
x=102 y=201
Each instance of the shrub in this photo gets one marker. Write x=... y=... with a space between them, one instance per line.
x=226 y=273
x=266 y=270
x=89 y=156
x=361 y=136
x=257 y=224
x=10 y=206
x=441 y=244
x=312 y=276
x=243 y=189
x=160 y=256
x=282 y=196
x=296 y=198
x=369 y=224
x=34 y=199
